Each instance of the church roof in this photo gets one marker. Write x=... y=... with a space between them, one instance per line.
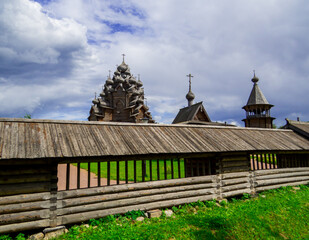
x=187 y=113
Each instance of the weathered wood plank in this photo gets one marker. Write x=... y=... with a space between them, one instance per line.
x=27 y=178
x=282 y=175
x=235 y=193
x=281 y=170
x=235 y=175
x=23 y=188
x=264 y=188
x=278 y=181
x=23 y=198
x=235 y=181
x=234 y=164
x=23 y=217
x=24 y=207
x=134 y=187
x=134 y=201
x=127 y=195
x=19 y=227
x=235 y=187
x=80 y=217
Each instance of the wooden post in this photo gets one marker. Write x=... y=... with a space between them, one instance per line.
x=134 y=166
x=165 y=170
x=158 y=169
x=89 y=168
x=108 y=173
x=172 y=167
x=117 y=169
x=204 y=167
x=53 y=194
x=68 y=177
x=150 y=169
x=179 y=168
x=126 y=169
x=78 y=175
x=143 y=170
x=99 y=174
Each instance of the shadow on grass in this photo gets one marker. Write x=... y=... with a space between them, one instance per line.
x=208 y=227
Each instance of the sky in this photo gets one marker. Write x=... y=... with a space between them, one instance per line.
x=55 y=54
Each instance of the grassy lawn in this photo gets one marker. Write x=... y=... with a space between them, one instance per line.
x=113 y=166
x=275 y=214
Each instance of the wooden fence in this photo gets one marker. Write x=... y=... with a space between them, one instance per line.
x=51 y=208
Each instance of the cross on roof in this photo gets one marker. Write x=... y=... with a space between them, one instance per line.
x=190 y=76
x=123 y=55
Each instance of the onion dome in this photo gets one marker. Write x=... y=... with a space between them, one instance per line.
x=255 y=79
x=190 y=96
x=109 y=81
x=102 y=94
x=95 y=101
x=139 y=83
x=122 y=67
x=132 y=80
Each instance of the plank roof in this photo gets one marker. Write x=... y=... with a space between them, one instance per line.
x=33 y=139
x=299 y=127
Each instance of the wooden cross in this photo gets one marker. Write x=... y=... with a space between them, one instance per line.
x=95 y=95
x=123 y=57
x=190 y=76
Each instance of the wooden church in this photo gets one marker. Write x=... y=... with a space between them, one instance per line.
x=121 y=100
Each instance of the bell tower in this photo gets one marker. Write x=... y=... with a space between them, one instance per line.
x=257 y=108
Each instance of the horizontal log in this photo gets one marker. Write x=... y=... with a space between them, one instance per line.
x=235 y=169
x=235 y=164
x=20 y=227
x=135 y=186
x=235 y=158
x=22 y=188
x=280 y=180
x=235 y=187
x=134 y=201
x=23 y=161
x=235 y=175
x=28 y=178
x=80 y=217
x=264 y=188
x=26 y=169
x=24 y=217
x=282 y=175
x=132 y=194
x=234 y=181
x=23 y=198
x=236 y=193
x=24 y=207
x=280 y=170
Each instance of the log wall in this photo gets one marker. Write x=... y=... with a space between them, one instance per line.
x=27 y=196
x=20 y=212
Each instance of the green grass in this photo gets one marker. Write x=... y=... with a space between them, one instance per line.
x=275 y=214
x=113 y=166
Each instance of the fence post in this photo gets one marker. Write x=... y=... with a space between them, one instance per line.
x=53 y=194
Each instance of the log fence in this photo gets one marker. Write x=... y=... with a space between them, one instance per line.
x=22 y=209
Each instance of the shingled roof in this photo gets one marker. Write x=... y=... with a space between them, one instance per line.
x=256 y=95
x=299 y=127
x=68 y=140
x=188 y=113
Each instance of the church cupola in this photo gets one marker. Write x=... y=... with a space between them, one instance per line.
x=257 y=108
x=190 y=95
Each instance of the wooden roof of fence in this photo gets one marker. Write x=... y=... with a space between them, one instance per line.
x=32 y=139
x=301 y=128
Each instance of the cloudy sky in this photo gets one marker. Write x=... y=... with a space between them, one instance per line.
x=54 y=54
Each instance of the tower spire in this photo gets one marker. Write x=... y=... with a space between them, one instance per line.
x=123 y=55
x=190 y=96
